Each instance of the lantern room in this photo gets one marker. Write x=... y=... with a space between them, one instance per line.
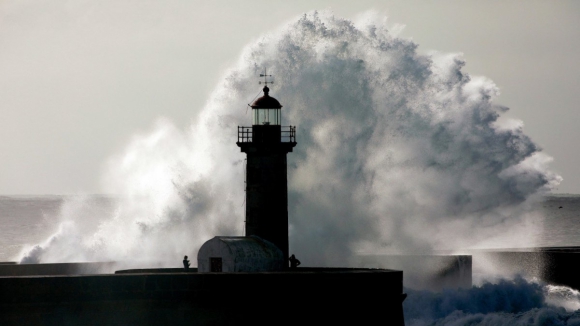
x=266 y=110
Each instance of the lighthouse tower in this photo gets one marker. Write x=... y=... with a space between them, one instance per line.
x=266 y=144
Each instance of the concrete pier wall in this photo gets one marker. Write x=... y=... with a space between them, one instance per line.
x=325 y=296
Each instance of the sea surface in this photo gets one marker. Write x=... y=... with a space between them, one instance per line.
x=561 y=221
x=29 y=220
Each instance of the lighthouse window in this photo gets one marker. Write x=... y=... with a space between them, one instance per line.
x=267 y=117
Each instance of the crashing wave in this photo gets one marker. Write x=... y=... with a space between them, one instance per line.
x=397 y=150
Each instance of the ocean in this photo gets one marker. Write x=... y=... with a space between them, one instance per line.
x=561 y=221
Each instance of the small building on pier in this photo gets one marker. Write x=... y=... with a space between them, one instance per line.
x=239 y=254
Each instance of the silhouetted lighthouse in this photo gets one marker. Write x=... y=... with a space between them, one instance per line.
x=266 y=144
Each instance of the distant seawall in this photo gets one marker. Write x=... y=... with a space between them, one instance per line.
x=434 y=272
x=326 y=296
x=554 y=265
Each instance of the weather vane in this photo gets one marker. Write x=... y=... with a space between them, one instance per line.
x=265 y=75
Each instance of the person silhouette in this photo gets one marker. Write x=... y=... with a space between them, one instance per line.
x=185 y=263
x=293 y=261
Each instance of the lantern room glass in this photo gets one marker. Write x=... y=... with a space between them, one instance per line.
x=267 y=116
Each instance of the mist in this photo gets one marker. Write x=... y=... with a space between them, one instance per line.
x=397 y=152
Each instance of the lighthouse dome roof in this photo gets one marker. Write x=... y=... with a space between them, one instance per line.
x=266 y=101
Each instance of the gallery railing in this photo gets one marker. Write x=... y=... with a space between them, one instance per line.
x=287 y=134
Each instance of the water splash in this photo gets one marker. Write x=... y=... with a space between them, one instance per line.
x=515 y=302
x=397 y=151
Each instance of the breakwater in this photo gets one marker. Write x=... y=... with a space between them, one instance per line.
x=155 y=297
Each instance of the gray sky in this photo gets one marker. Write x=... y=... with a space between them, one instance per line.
x=79 y=78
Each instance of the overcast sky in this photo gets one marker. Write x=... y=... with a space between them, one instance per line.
x=79 y=78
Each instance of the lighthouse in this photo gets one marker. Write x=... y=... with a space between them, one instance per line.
x=264 y=247
x=266 y=144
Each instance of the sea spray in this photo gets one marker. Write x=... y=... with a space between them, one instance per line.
x=508 y=302
x=397 y=151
